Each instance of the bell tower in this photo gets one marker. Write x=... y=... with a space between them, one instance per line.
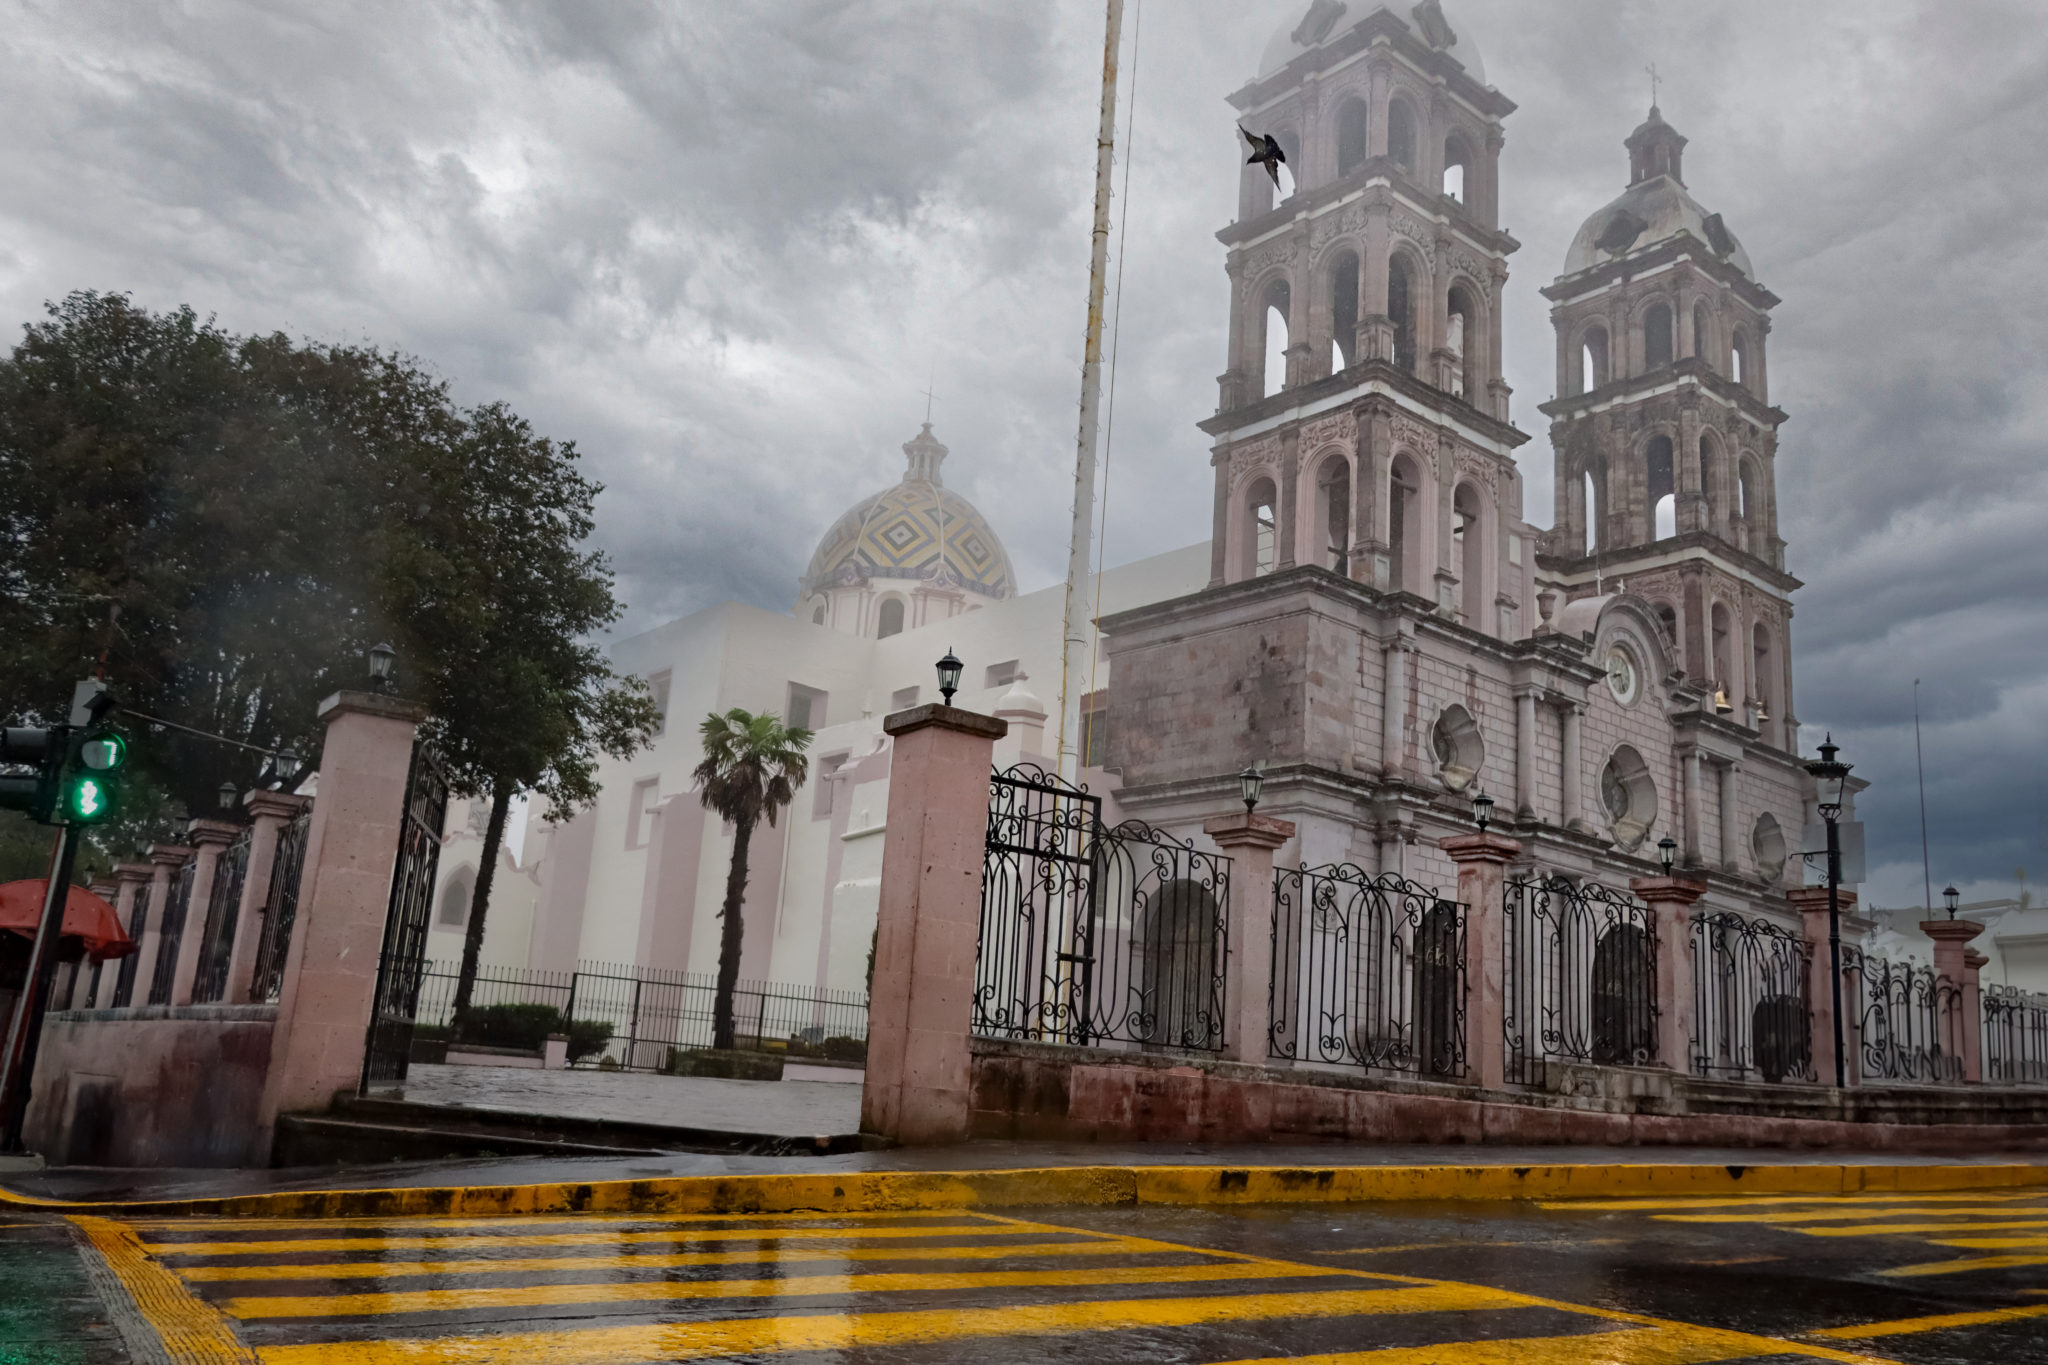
x=1664 y=436
x=1363 y=423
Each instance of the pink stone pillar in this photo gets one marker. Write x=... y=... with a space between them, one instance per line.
x=1812 y=904
x=163 y=859
x=269 y=813
x=921 y=1005
x=209 y=837
x=1973 y=1015
x=330 y=972
x=1251 y=840
x=133 y=877
x=1671 y=901
x=1482 y=861
x=1951 y=952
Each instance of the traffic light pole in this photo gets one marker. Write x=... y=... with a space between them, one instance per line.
x=25 y=1030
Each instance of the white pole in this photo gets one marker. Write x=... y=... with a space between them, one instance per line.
x=1074 y=645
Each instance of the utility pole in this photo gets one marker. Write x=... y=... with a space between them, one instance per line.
x=1074 y=642
x=25 y=1030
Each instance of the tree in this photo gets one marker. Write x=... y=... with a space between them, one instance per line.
x=752 y=768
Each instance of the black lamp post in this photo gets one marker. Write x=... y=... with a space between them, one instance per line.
x=1482 y=810
x=1828 y=777
x=228 y=792
x=1250 y=783
x=1951 y=895
x=285 y=764
x=383 y=665
x=949 y=676
x=1667 y=852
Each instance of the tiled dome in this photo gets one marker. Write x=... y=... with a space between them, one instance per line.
x=917 y=531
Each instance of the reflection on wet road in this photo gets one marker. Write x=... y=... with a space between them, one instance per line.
x=1621 y=1282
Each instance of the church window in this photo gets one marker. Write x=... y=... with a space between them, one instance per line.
x=1404 y=497
x=1745 y=493
x=1469 y=550
x=1595 y=498
x=1461 y=339
x=1721 y=633
x=1738 y=360
x=1457 y=158
x=1663 y=489
x=1002 y=674
x=1458 y=748
x=818 y=614
x=889 y=620
x=657 y=689
x=823 y=787
x=1761 y=677
x=903 y=698
x=1278 y=305
x=1401 y=308
x=1351 y=140
x=1708 y=489
x=1629 y=797
x=1266 y=538
x=1657 y=337
x=806 y=709
x=1593 y=360
x=1344 y=312
x=1699 y=334
x=640 y=813
x=1333 y=499
x=455 y=898
x=1401 y=135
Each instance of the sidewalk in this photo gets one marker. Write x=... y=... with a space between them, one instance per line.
x=787 y=1108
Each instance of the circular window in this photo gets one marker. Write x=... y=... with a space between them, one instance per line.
x=1767 y=845
x=1459 y=752
x=1624 y=674
x=1630 y=797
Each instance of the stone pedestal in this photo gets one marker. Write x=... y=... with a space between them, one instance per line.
x=208 y=838
x=269 y=813
x=1482 y=861
x=1973 y=1015
x=1951 y=960
x=330 y=973
x=1812 y=904
x=1251 y=840
x=917 y=1087
x=132 y=878
x=1671 y=901
x=164 y=861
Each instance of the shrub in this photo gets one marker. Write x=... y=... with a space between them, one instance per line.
x=587 y=1036
x=844 y=1049
x=525 y=1027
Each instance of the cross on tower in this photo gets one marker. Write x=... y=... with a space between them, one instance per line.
x=929 y=399
x=1655 y=80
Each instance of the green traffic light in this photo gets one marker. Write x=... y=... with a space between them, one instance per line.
x=89 y=800
x=103 y=753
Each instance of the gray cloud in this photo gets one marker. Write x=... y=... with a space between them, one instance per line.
x=723 y=246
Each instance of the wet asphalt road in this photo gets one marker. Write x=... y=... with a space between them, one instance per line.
x=1924 y=1279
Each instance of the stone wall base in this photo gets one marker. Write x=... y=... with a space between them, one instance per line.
x=1038 y=1091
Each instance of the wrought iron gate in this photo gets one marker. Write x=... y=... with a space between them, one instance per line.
x=1581 y=977
x=402 y=962
x=1752 y=1000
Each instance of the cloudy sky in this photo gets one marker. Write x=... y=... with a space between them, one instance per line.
x=724 y=246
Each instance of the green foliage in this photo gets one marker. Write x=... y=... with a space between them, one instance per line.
x=838 y=1048
x=752 y=765
x=527 y=1027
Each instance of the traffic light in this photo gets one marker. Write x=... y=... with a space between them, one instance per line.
x=90 y=784
x=77 y=773
x=42 y=749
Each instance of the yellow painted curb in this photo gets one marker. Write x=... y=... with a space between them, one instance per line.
x=867 y=1191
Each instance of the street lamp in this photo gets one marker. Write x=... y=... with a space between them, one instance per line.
x=1482 y=810
x=383 y=663
x=949 y=676
x=1667 y=850
x=1951 y=895
x=1250 y=783
x=285 y=764
x=228 y=792
x=1828 y=779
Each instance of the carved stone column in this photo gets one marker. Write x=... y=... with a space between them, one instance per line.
x=1482 y=861
x=1251 y=840
x=1394 y=721
x=1525 y=752
x=1731 y=849
x=1671 y=901
x=1571 y=803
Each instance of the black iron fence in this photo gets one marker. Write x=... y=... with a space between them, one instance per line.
x=1909 y=1020
x=651 y=1014
x=388 y=1048
x=2014 y=1041
x=1752 y=1000
x=1367 y=971
x=223 y=906
x=177 y=908
x=1580 y=983
x=280 y=908
x=138 y=916
x=1096 y=936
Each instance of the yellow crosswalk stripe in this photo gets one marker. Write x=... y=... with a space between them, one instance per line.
x=1910 y=1229
x=192 y=1331
x=1752 y=1200
x=412 y=1243
x=1643 y=1346
x=545 y=1295
x=545 y=1219
x=1939 y=1322
x=852 y=1331
x=613 y=1265
x=1962 y=1266
x=1989 y=1243
x=1845 y=1215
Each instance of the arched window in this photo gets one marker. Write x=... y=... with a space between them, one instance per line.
x=455 y=898
x=1290 y=147
x=1745 y=493
x=1461 y=339
x=1404 y=506
x=1344 y=312
x=818 y=615
x=1738 y=360
x=1262 y=535
x=1699 y=335
x=1401 y=308
x=1722 y=638
x=1278 y=305
x=1469 y=546
x=1351 y=140
x=1401 y=135
x=1596 y=506
x=1457 y=160
x=1333 y=514
x=1761 y=678
x=1709 y=489
x=889 y=621
x=1657 y=337
x=1593 y=360
x=1663 y=489
x=1668 y=614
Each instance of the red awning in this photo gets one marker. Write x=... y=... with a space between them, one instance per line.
x=87 y=918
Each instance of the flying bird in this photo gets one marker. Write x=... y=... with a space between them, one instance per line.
x=1265 y=152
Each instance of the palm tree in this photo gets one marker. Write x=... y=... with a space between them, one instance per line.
x=752 y=767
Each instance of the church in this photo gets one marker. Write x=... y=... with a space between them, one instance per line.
x=1372 y=621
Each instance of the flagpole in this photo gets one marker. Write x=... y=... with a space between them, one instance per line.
x=1076 y=623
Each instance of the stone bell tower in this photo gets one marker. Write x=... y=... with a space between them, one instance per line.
x=1363 y=425
x=1664 y=435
